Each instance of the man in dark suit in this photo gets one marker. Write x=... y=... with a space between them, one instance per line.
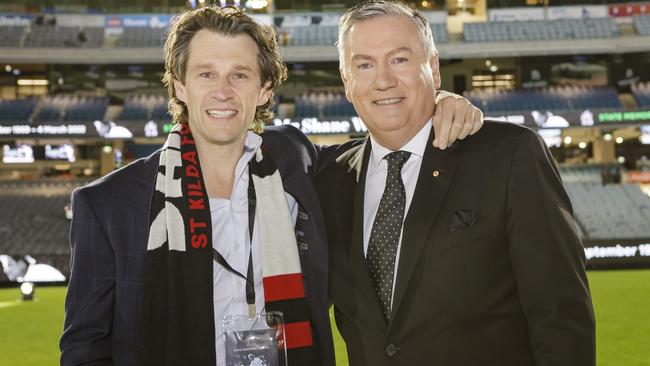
x=462 y=257
x=144 y=289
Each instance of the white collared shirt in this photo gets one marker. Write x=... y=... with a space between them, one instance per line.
x=231 y=238
x=376 y=183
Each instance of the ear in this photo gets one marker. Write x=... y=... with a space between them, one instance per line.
x=179 y=88
x=345 y=84
x=265 y=94
x=435 y=70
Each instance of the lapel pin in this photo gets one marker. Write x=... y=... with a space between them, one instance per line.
x=435 y=173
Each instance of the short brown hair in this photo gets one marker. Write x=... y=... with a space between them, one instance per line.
x=228 y=21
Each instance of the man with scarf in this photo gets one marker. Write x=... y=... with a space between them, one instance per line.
x=223 y=220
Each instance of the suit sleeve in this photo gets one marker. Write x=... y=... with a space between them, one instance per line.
x=548 y=259
x=90 y=298
x=317 y=157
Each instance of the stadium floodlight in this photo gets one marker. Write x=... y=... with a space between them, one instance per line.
x=27 y=289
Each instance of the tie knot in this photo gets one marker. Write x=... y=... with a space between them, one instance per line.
x=397 y=159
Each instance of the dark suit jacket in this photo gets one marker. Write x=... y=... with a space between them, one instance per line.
x=109 y=236
x=491 y=268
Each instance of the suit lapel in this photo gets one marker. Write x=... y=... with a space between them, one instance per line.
x=144 y=196
x=429 y=195
x=356 y=163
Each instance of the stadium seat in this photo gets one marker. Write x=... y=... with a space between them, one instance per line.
x=540 y=30
x=71 y=108
x=16 y=111
x=10 y=36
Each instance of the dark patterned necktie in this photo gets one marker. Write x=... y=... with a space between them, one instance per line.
x=386 y=230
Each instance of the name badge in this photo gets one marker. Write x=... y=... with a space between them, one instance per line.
x=256 y=340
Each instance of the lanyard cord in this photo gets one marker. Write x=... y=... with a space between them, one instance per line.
x=250 y=278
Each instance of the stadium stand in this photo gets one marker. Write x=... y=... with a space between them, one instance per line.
x=144 y=108
x=540 y=30
x=327 y=35
x=440 y=33
x=32 y=216
x=142 y=37
x=581 y=174
x=613 y=211
x=641 y=94
x=606 y=211
x=553 y=98
x=323 y=105
x=60 y=36
x=70 y=108
x=11 y=36
x=642 y=25
x=16 y=111
x=312 y=35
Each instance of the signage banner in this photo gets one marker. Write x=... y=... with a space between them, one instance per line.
x=307 y=19
x=613 y=253
x=577 y=12
x=138 y=21
x=573 y=118
x=15 y=19
x=312 y=125
x=97 y=129
x=541 y=120
x=80 y=20
x=637 y=176
x=628 y=10
x=515 y=14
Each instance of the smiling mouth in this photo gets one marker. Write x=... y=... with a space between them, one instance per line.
x=221 y=113
x=387 y=101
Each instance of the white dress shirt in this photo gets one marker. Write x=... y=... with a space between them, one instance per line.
x=231 y=238
x=376 y=183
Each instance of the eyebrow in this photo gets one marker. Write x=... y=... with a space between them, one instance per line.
x=391 y=53
x=238 y=67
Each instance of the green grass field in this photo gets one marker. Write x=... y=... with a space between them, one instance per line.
x=29 y=331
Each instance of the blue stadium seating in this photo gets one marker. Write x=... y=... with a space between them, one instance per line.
x=553 y=98
x=142 y=37
x=145 y=108
x=323 y=105
x=16 y=111
x=613 y=211
x=32 y=219
x=641 y=93
x=327 y=35
x=642 y=25
x=11 y=36
x=60 y=36
x=71 y=108
x=540 y=30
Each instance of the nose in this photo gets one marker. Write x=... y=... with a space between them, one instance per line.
x=222 y=89
x=385 y=79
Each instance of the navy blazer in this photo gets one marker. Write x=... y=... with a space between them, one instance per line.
x=109 y=234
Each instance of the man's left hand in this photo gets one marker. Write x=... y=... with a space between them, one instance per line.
x=454 y=118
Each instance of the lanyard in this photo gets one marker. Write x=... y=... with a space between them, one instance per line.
x=250 y=278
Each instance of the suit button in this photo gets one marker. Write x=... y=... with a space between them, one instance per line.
x=391 y=350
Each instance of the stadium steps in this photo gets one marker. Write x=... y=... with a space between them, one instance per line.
x=113 y=112
x=627 y=100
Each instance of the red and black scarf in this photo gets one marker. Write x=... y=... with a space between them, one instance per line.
x=177 y=313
